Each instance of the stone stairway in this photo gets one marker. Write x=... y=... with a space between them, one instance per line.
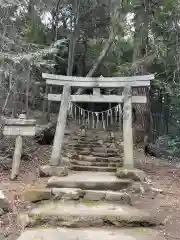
x=94 y=202
x=95 y=152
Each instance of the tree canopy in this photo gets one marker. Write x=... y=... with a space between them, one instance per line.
x=94 y=38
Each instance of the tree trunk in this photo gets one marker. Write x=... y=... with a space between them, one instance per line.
x=166 y=112
x=55 y=38
x=27 y=92
x=45 y=102
x=141 y=38
x=55 y=14
x=72 y=44
x=14 y=104
x=11 y=87
x=99 y=60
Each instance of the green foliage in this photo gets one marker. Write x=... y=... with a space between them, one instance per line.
x=174 y=145
x=149 y=40
x=34 y=33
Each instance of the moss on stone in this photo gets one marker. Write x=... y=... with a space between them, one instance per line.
x=91 y=203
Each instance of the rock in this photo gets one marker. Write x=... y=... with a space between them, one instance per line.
x=36 y=194
x=137 y=188
x=2 y=236
x=4 y=204
x=91 y=234
x=118 y=197
x=157 y=190
x=5 y=163
x=48 y=171
x=67 y=193
x=1 y=211
x=89 y=181
x=92 y=168
x=148 y=181
x=134 y=174
x=91 y=195
x=24 y=220
x=73 y=214
x=65 y=160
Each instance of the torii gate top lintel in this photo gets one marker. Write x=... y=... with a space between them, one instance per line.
x=96 y=84
x=86 y=82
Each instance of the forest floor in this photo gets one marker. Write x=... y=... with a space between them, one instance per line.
x=163 y=176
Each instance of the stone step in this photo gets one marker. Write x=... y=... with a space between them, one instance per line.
x=95 y=150
x=87 y=214
x=92 y=139
x=35 y=194
x=89 y=144
x=100 y=164
x=92 y=168
x=92 y=142
x=98 y=148
x=95 y=139
x=109 y=196
x=91 y=234
x=94 y=154
x=90 y=181
x=97 y=159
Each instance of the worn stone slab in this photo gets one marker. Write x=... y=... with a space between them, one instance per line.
x=102 y=149
x=91 y=234
x=84 y=157
x=95 y=149
x=134 y=174
x=48 y=171
x=110 y=196
x=73 y=214
x=92 y=195
x=92 y=168
x=98 y=154
x=90 y=181
x=97 y=141
x=118 y=197
x=67 y=193
x=36 y=194
x=81 y=157
x=97 y=163
x=84 y=144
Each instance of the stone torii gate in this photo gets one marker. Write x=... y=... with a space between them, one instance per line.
x=96 y=83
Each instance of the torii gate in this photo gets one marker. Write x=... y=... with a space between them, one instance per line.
x=96 y=83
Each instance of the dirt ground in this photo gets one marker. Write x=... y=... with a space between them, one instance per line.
x=166 y=205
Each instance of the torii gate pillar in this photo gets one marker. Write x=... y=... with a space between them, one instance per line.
x=55 y=159
x=127 y=129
